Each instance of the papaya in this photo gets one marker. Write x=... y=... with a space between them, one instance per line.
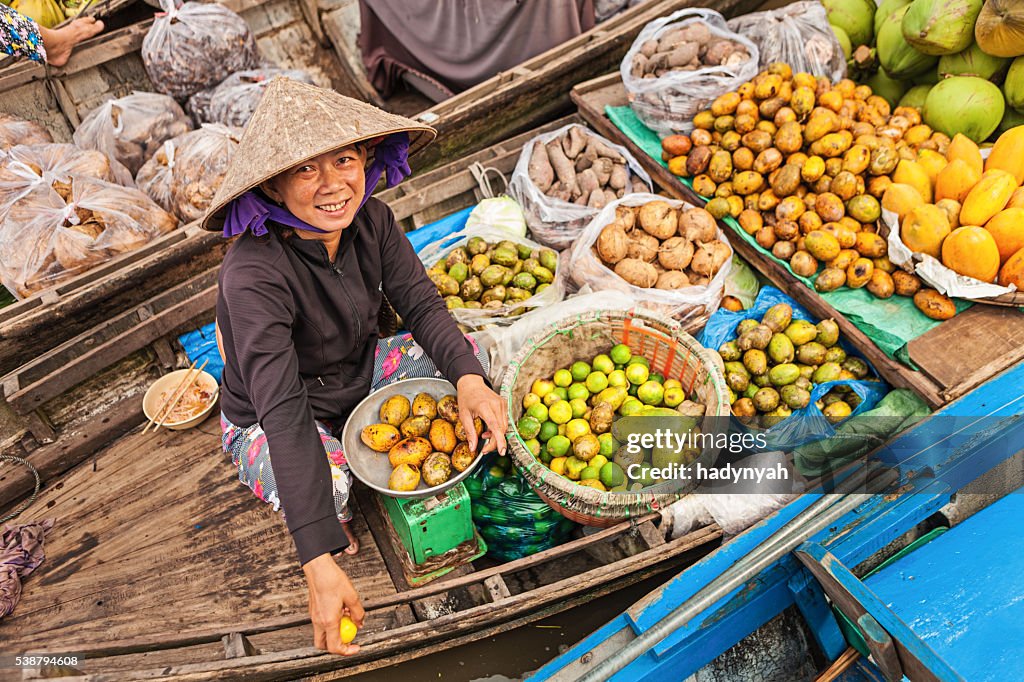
x=939 y=27
x=963 y=148
x=901 y=199
x=1012 y=271
x=932 y=162
x=964 y=104
x=1007 y=228
x=913 y=174
x=987 y=198
x=955 y=181
x=1016 y=199
x=898 y=57
x=924 y=229
x=971 y=251
x=999 y=29
x=1008 y=154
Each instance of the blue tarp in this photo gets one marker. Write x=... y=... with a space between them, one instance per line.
x=428 y=234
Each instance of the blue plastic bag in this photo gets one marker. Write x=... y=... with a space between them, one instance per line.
x=201 y=345
x=428 y=234
x=807 y=424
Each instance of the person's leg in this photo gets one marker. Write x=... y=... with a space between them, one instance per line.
x=400 y=357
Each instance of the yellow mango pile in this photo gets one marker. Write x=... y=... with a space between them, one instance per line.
x=963 y=210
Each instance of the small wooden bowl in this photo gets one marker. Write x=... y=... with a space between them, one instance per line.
x=151 y=401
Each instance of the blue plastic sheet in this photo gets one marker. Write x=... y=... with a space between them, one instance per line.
x=807 y=424
x=201 y=345
x=428 y=234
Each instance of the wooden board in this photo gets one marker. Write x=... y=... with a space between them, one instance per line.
x=969 y=368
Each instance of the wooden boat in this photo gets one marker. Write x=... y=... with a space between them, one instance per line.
x=930 y=614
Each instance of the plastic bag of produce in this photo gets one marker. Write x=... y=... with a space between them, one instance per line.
x=130 y=129
x=494 y=282
x=15 y=131
x=798 y=35
x=807 y=424
x=25 y=167
x=233 y=101
x=642 y=250
x=51 y=234
x=680 y=63
x=564 y=177
x=195 y=46
x=512 y=519
x=184 y=175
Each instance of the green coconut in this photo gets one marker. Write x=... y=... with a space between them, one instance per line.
x=898 y=57
x=929 y=77
x=855 y=17
x=1013 y=86
x=887 y=88
x=915 y=96
x=964 y=104
x=941 y=26
x=885 y=9
x=1011 y=119
x=971 y=62
x=844 y=40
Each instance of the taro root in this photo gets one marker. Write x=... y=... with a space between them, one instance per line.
x=710 y=257
x=643 y=246
x=637 y=272
x=612 y=244
x=675 y=253
x=697 y=225
x=659 y=219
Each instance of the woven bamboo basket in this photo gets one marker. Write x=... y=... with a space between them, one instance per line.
x=671 y=352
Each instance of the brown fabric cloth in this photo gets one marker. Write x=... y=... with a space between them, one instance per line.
x=462 y=42
x=21 y=552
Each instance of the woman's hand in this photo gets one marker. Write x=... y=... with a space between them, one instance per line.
x=477 y=400
x=331 y=596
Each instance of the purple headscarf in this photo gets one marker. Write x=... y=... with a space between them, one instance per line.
x=251 y=212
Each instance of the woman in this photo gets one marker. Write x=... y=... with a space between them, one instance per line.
x=297 y=309
x=20 y=36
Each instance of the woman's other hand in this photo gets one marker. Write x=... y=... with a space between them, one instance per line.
x=477 y=400
x=331 y=596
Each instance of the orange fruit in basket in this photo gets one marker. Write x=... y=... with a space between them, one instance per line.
x=971 y=251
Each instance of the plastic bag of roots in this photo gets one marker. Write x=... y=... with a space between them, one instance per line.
x=508 y=278
x=679 y=64
x=564 y=177
x=51 y=234
x=130 y=129
x=15 y=131
x=798 y=35
x=670 y=257
x=184 y=174
x=195 y=46
x=233 y=101
x=29 y=166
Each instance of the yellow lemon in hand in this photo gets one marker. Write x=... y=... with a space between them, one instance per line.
x=348 y=630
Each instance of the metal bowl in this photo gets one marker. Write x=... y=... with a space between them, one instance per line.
x=373 y=468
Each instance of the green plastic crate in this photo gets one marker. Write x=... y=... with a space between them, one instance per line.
x=432 y=526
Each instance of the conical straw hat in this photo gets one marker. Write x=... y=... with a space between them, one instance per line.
x=295 y=122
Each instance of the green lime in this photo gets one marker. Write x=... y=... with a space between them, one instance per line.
x=598 y=461
x=630 y=406
x=542 y=387
x=670 y=383
x=579 y=370
x=637 y=374
x=560 y=412
x=529 y=400
x=639 y=360
x=590 y=474
x=579 y=407
x=618 y=378
x=563 y=377
x=657 y=377
x=528 y=427
x=674 y=396
x=620 y=354
x=578 y=391
x=603 y=363
x=558 y=446
x=545 y=454
x=551 y=398
x=612 y=475
x=538 y=412
x=650 y=393
x=576 y=428
x=608 y=444
x=533 y=445
x=561 y=392
x=548 y=430
x=632 y=389
x=496 y=472
x=597 y=382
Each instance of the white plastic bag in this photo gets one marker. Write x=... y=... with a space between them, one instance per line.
x=798 y=35
x=668 y=104
x=50 y=234
x=682 y=304
x=196 y=46
x=130 y=129
x=14 y=131
x=554 y=222
x=25 y=167
x=233 y=101
x=481 y=318
x=184 y=175
x=501 y=213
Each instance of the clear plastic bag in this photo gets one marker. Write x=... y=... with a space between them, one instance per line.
x=682 y=304
x=798 y=35
x=234 y=104
x=51 y=234
x=668 y=104
x=184 y=175
x=25 y=167
x=474 y=318
x=14 y=131
x=554 y=222
x=130 y=129
x=195 y=46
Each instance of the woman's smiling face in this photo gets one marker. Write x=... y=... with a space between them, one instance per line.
x=325 y=191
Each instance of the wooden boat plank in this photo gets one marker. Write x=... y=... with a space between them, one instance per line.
x=593 y=96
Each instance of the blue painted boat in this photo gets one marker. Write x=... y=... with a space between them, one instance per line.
x=949 y=610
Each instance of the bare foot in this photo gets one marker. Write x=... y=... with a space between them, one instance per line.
x=353 y=541
x=61 y=41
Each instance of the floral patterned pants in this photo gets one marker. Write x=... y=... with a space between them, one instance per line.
x=19 y=35
x=397 y=357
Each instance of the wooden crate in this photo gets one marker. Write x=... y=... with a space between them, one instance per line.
x=958 y=355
